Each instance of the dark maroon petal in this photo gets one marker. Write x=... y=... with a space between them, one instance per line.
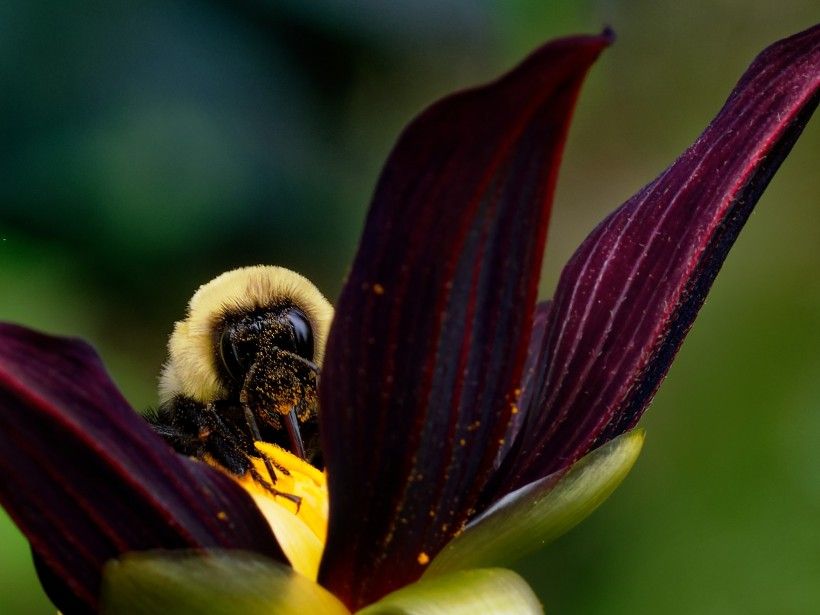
x=630 y=293
x=86 y=479
x=430 y=335
x=530 y=381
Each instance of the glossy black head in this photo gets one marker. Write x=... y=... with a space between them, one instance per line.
x=242 y=336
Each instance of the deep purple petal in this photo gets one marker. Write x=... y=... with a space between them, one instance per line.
x=530 y=382
x=630 y=293
x=430 y=335
x=86 y=479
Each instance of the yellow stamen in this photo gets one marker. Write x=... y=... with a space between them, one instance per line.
x=300 y=529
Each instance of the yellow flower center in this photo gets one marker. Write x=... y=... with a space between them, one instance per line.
x=301 y=529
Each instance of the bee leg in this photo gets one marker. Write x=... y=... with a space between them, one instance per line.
x=307 y=411
x=233 y=444
x=257 y=437
x=269 y=465
x=228 y=446
x=292 y=427
x=309 y=417
x=274 y=491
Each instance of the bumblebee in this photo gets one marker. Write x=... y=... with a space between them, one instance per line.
x=243 y=366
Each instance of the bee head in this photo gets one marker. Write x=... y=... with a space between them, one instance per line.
x=235 y=319
x=244 y=337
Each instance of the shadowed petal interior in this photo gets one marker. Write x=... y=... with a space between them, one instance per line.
x=86 y=479
x=428 y=346
x=530 y=381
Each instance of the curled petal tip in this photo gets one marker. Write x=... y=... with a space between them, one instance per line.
x=631 y=292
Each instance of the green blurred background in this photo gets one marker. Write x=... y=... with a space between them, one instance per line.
x=148 y=146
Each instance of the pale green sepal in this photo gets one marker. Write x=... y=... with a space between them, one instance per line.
x=210 y=583
x=489 y=591
x=541 y=511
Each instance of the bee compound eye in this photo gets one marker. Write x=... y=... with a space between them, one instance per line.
x=233 y=360
x=302 y=333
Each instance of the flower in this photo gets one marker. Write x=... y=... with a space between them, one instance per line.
x=462 y=422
